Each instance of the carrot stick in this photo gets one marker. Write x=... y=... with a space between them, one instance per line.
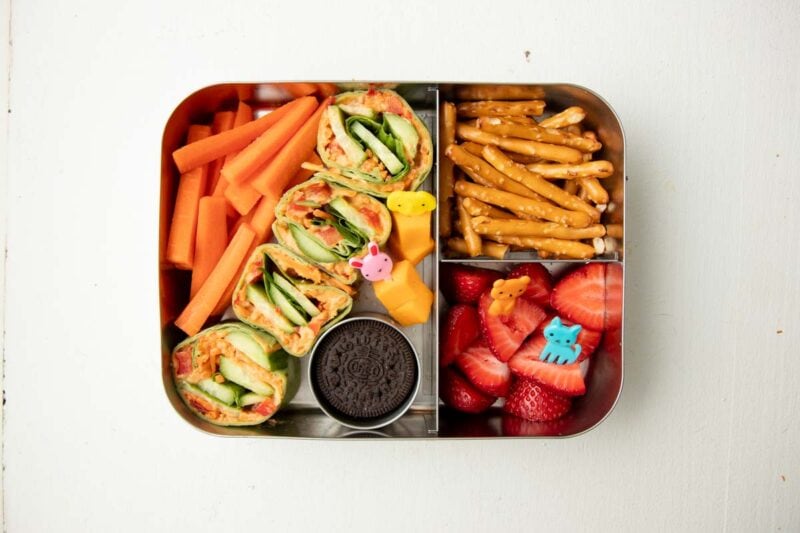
x=299 y=90
x=242 y=196
x=211 y=240
x=261 y=222
x=244 y=114
x=261 y=150
x=327 y=89
x=195 y=314
x=276 y=174
x=180 y=243
x=223 y=121
x=207 y=150
x=302 y=175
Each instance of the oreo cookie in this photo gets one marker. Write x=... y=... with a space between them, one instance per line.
x=364 y=372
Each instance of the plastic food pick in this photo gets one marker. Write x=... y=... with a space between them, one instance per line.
x=375 y=266
x=411 y=203
x=505 y=293
x=560 y=348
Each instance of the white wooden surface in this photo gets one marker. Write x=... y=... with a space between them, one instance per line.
x=706 y=435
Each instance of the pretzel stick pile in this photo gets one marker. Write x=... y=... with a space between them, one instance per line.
x=511 y=182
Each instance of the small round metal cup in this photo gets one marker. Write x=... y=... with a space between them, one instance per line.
x=367 y=423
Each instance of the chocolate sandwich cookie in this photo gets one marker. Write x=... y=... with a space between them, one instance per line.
x=364 y=372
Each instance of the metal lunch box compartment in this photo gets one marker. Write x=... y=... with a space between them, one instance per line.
x=426 y=417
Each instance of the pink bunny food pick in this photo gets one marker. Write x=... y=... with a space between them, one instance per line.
x=375 y=266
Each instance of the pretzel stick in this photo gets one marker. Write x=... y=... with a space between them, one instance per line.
x=526 y=228
x=482 y=172
x=501 y=126
x=559 y=247
x=544 y=254
x=516 y=119
x=594 y=191
x=477 y=149
x=472 y=239
x=448 y=137
x=482 y=91
x=592 y=169
x=568 y=117
x=498 y=109
x=514 y=202
x=488 y=248
x=476 y=208
x=535 y=183
x=551 y=152
x=571 y=186
x=614 y=230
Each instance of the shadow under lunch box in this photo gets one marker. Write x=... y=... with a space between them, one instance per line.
x=427 y=417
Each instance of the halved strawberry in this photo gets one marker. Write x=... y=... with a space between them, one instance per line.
x=484 y=370
x=613 y=296
x=541 y=284
x=531 y=401
x=505 y=334
x=461 y=326
x=580 y=296
x=464 y=284
x=456 y=391
x=563 y=379
x=589 y=339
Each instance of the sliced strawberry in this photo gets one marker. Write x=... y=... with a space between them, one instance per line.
x=456 y=391
x=531 y=401
x=505 y=334
x=514 y=426
x=612 y=343
x=589 y=339
x=541 y=284
x=563 y=379
x=580 y=296
x=465 y=284
x=460 y=328
x=613 y=296
x=484 y=370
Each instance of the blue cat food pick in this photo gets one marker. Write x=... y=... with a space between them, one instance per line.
x=560 y=340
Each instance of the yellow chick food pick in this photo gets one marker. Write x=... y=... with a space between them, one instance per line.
x=411 y=203
x=505 y=293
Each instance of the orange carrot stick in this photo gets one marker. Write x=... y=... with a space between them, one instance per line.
x=244 y=114
x=211 y=240
x=327 y=89
x=261 y=150
x=298 y=90
x=207 y=150
x=223 y=121
x=302 y=175
x=195 y=314
x=276 y=174
x=180 y=243
x=242 y=196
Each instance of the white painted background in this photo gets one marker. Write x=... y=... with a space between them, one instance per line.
x=706 y=435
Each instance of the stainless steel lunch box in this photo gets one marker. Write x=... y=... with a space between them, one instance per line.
x=426 y=418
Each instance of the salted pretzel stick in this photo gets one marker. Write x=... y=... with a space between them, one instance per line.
x=482 y=172
x=516 y=119
x=571 y=186
x=594 y=191
x=491 y=108
x=448 y=137
x=535 y=183
x=551 y=152
x=488 y=248
x=614 y=230
x=544 y=210
x=477 y=149
x=481 y=91
x=503 y=127
x=559 y=247
x=526 y=228
x=592 y=169
x=476 y=208
x=568 y=117
x=472 y=239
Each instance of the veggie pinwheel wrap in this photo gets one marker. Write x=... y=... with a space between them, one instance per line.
x=328 y=224
x=376 y=142
x=288 y=297
x=234 y=375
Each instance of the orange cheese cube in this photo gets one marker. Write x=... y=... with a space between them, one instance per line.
x=414 y=311
x=411 y=236
x=414 y=253
x=404 y=284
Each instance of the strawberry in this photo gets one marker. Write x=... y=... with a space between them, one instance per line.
x=612 y=343
x=563 y=379
x=461 y=326
x=538 y=290
x=587 y=338
x=484 y=370
x=505 y=334
x=465 y=284
x=455 y=391
x=514 y=426
x=531 y=401
x=589 y=297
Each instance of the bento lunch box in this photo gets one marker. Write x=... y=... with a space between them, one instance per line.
x=427 y=417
